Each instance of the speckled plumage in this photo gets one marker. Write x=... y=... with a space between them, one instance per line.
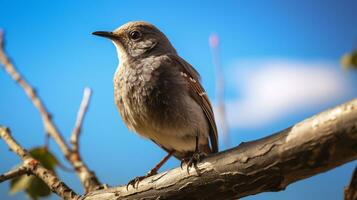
x=159 y=95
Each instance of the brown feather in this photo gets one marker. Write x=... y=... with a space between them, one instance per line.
x=198 y=93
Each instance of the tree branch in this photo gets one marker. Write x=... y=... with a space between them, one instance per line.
x=89 y=180
x=80 y=117
x=18 y=171
x=32 y=166
x=87 y=177
x=351 y=189
x=312 y=146
x=49 y=126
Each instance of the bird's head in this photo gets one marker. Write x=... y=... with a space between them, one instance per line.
x=138 y=39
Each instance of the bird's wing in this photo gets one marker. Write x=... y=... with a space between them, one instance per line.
x=199 y=95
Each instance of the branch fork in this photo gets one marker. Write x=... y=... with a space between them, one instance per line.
x=71 y=153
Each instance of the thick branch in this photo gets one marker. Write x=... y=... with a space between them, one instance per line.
x=18 y=171
x=32 y=166
x=315 y=145
x=87 y=177
x=312 y=146
x=351 y=190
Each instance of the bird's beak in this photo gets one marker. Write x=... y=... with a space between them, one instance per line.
x=105 y=34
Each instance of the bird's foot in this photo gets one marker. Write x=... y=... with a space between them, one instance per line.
x=193 y=160
x=135 y=182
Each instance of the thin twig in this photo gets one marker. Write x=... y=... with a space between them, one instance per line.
x=80 y=117
x=351 y=189
x=34 y=167
x=87 y=177
x=49 y=126
x=18 y=171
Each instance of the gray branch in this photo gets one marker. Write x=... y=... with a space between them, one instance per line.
x=310 y=147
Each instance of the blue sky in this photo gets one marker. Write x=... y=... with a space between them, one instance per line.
x=267 y=49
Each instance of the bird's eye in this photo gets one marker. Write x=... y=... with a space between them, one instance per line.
x=135 y=35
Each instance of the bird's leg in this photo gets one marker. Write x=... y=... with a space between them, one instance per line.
x=195 y=158
x=154 y=170
x=135 y=182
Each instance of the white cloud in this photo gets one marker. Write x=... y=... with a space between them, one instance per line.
x=272 y=89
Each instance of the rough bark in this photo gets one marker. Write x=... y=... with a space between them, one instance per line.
x=315 y=145
x=312 y=146
x=32 y=166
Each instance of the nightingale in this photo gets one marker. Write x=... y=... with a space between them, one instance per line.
x=159 y=95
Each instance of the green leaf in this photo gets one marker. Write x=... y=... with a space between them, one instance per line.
x=37 y=188
x=33 y=186
x=19 y=183
x=45 y=157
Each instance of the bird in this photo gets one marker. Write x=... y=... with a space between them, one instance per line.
x=159 y=95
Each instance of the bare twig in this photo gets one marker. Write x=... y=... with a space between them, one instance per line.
x=351 y=189
x=18 y=171
x=87 y=177
x=50 y=128
x=80 y=117
x=32 y=166
x=312 y=146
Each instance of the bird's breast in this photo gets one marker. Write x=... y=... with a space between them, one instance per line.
x=148 y=95
x=154 y=101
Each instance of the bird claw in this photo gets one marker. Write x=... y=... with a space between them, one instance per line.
x=192 y=161
x=135 y=182
x=182 y=162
